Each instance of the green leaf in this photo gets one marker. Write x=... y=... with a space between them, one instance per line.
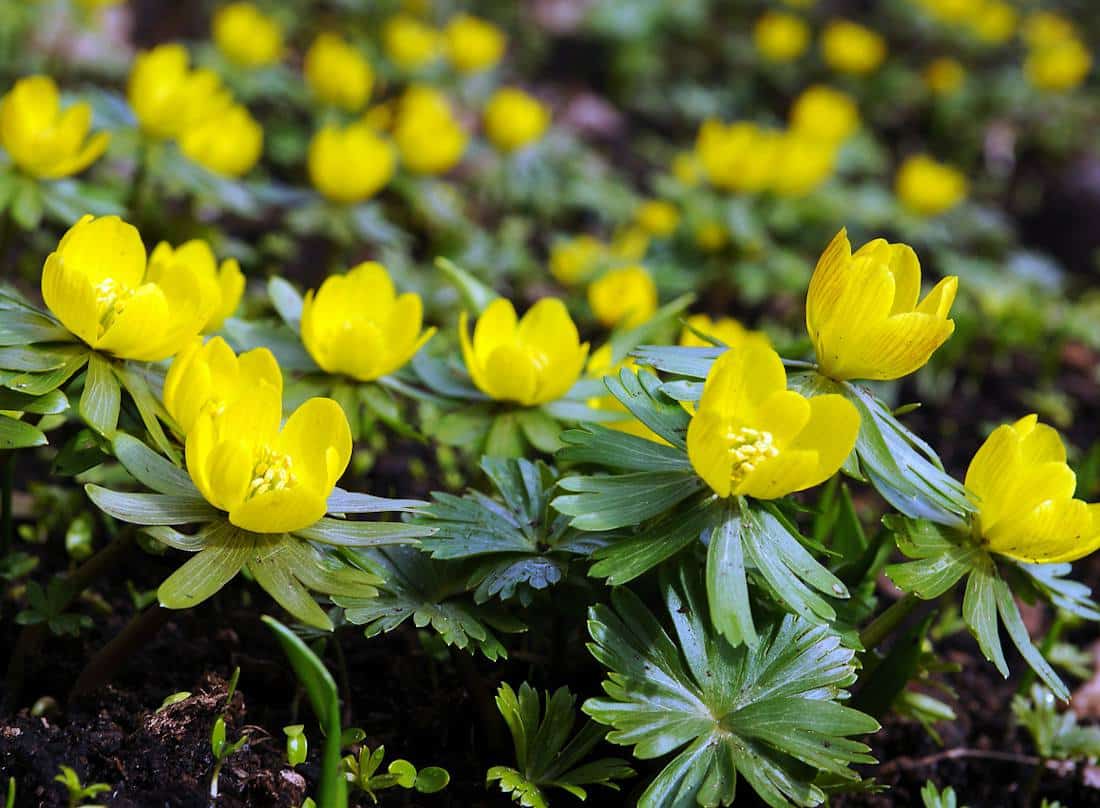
x=344 y=502
x=980 y=614
x=680 y=361
x=286 y=300
x=151 y=469
x=624 y=560
x=226 y=550
x=102 y=397
x=151 y=509
x=770 y=713
x=476 y=296
x=345 y=533
x=1017 y=632
x=505 y=438
x=941 y=560
x=275 y=569
x=601 y=446
x=52 y=403
x=463 y=428
x=1056 y=735
x=540 y=429
x=16 y=434
x=320 y=687
x=152 y=412
x=727 y=584
x=27 y=327
x=641 y=394
x=431 y=780
x=612 y=501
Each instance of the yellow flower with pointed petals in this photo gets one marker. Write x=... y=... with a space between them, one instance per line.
x=626 y=297
x=356 y=324
x=849 y=47
x=410 y=43
x=532 y=361
x=267 y=479
x=42 y=139
x=221 y=286
x=514 y=119
x=1059 y=66
x=209 y=377
x=927 y=187
x=781 y=37
x=337 y=73
x=801 y=163
x=862 y=312
x=246 y=35
x=428 y=135
x=824 y=113
x=473 y=44
x=1026 y=509
x=168 y=97
x=351 y=164
x=227 y=143
x=600 y=365
x=657 y=217
x=751 y=436
x=737 y=157
x=95 y=283
x=725 y=329
x=575 y=259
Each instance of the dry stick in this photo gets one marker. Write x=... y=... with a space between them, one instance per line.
x=139 y=631
x=905 y=763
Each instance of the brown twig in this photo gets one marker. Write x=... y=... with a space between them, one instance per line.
x=906 y=763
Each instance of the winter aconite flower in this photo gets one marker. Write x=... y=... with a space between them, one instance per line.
x=1059 y=66
x=428 y=135
x=96 y=283
x=781 y=37
x=657 y=217
x=267 y=479
x=1024 y=487
x=927 y=187
x=228 y=143
x=532 y=361
x=337 y=73
x=600 y=364
x=576 y=259
x=472 y=44
x=356 y=324
x=944 y=76
x=801 y=163
x=514 y=119
x=824 y=113
x=862 y=311
x=751 y=436
x=409 y=43
x=221 y=285
x=168 y=97
x=351 y=164
x=209 y=377
x=247 y=36
x=623 y=297
x=42 y=139
x=849 y=47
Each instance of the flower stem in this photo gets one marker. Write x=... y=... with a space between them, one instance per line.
x=885 y=624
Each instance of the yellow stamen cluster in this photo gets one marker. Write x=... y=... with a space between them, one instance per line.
x=111 y=297
x=748 y=447
x=273 y=471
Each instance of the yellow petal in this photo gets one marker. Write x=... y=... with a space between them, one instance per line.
x=231 y=284
x=496 y=326
x=69 y=295
x=862 y=304
x=741 y=379
x=469 y=355
x=830 y=432
x=280 y=511
x=318 y=438
x=556 y=379
x=104 y=248
x=897 y=346
x=511 y=375
x=197 y=450
x=827 y=283
x=1039 y=443
x=135 y=331
x=1055 y=529
x=708 y=451
x=938 y=302
x=780 y=475
x=548 y=328
x=905 y=266
x=783 y=415
x=258 y=367
x=229 y=472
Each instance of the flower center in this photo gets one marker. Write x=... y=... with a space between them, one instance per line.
x=111 y=297
x=748 y=447
x=273 y=471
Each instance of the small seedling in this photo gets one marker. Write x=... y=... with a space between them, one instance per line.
x=78 y=792
x=297 y=745
x=48 y=606
x=220 y=747
x=361 y=773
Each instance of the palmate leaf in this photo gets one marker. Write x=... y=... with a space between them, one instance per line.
x=941 y=558
x=519 y=545
x=769 y=713
x=545 y=755
x=429 y=592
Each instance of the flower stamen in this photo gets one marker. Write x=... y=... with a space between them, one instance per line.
x=748 y=447
x=272 y=471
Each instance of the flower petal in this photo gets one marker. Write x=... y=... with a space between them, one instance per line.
x=740 y=380
x=318 y=438
x=511 y=375
x=69 y=295
x=280 y=511
x=496 y=326
x=1056 y=529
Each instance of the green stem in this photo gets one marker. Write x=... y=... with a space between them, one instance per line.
x=885 y=624
x=7 y=519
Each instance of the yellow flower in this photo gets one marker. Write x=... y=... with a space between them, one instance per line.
x=222 y=286
x=40 y=138
x=781 y=37
x=995 y=22
x=626 y=297
x=944 y=76
x=657 y=217
x=927 y=187
x=247 y=36
x=851 y=48
x=574 y=260
x=825 y=113
x=267 y=479
x=428 y=135
x=351 y=164
x=473 y=44
x=1026 y=509
x=724 y=329
x=228 y=143
x=96 y=5
x=337 y=73
x=95 y=283
x=600 y=365
x=410 y=43
x=801 y=164
x=513 y=119
x=862 y=312
x=686 y=168
x=751 y=436
x=738 y=156
x=209 y=377
x=630 y=243
x=1058 y=67
x=357 y=325
x=168 y=97
x=530 y=362
x=1043 y=28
